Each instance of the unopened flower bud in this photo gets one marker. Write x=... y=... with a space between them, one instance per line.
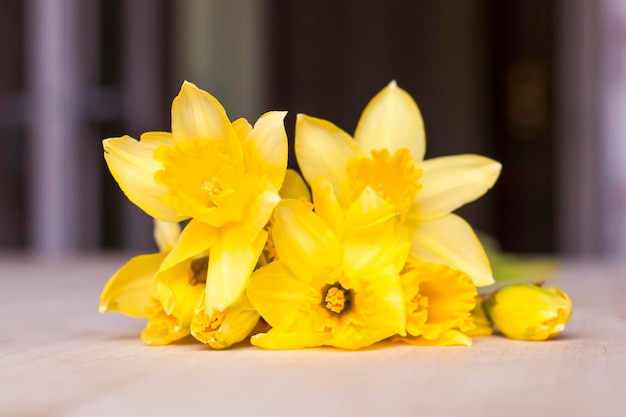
x=529 y=312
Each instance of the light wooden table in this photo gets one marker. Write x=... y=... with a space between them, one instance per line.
x=59 y=357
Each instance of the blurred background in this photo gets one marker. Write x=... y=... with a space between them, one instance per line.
x=539 y=85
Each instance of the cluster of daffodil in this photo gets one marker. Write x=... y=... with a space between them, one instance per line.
x=369 y=250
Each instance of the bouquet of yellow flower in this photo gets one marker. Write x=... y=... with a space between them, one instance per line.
x=369 y=250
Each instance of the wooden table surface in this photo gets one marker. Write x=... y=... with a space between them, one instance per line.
x=60 y=357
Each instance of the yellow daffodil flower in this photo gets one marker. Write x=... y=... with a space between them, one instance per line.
x=173 y=299
x=223 y=175
x=439 y=302
x=386 y=155
x=529 y=312
x=335 y=279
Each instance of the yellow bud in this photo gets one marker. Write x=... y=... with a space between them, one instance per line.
x=529 y=312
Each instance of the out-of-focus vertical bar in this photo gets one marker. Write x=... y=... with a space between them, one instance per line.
x=142 y=79
x=52 y=63
x=221 y=47
x=579 y=140
x=613 y=118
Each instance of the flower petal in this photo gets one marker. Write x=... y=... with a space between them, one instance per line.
x=373 y=235
x=392 y=120
x=196 y=238
x=450 y=240
x=197 y=114
x=323 y=149
x=268 y=146
x=166 y=235
x=231 y=262
x=452 y=181
x=179 y=295
x=388 y=311
x=262 y=208
x=133 y=167
x=281 y=340
x=235 y=328
x=294 y=186
x=447 y=338
x=275 y=291
x=128 y=291
x=327 y=206
x=303 y=241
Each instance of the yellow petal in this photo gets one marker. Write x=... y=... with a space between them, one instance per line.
x=373 y=236
x=451 y=241
x=448 y=338
x=327 y=206
x=166 y=235
x=133 y=167
x=303 y=241
x=322 y=149
x=279 y=340
x=452 y=181
x=128 y=291
x=221 y=330
x=268 y=145
x=262 y=208
x=392 y=120
x=197 y=114
x=243 y=129
x=231 y=262
x=236 y=327
x=389 y=310
x=275 y=291
x=294 y=186
x=180 y=291
x=162 y=329
x=196 y=238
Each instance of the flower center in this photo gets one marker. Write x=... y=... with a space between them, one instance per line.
x=198 y=271
x=395 y=178
x=420 y=301
x=337 y=299
x=213 y=186
x=199 y=174
x=203 y=326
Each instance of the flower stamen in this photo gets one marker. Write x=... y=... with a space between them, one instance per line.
x=337 y=299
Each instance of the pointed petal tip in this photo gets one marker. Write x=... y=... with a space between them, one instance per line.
x=393 y=84
x=102 y=309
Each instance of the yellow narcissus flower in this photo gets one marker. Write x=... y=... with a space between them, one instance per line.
x=335 y=281
x=439 y=302
x=173 y=299
x=386 y=155
x=223 y=175
x=529 y=312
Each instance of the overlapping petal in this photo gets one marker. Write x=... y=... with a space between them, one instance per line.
x=133 y=167
x=195 y=239
x=450 y=240
x=323 y=149
x=231 y=262
x=128 y=291
x=268 y=146
x=276 y=292
x=373 y=236
x=305 y=243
